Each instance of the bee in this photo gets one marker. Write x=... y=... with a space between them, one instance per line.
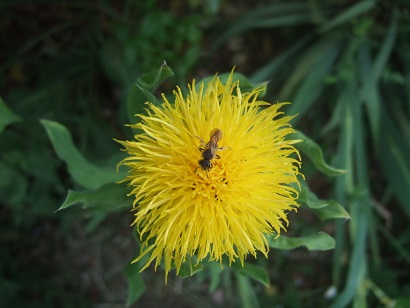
x=208 y=153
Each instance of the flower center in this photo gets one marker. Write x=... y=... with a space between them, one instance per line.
x=211 y=183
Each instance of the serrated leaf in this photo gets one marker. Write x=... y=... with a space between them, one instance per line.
x=110 y=196
x=83 y=172
x=244 y=83
x=142 y=91
x=320 y=241
x=314 y=152
x=136 y=99
x=136 y=285
x=189 y=268
x=332 y=210
x=255 y=272
x=324 y=209
x=150 y=81
x=7 y=117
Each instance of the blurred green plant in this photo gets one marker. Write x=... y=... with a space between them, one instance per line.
x=347 y=73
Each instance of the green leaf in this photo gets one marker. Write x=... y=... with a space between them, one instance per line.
x=136 y=99
x=152 y=80
x=357 y=266
x=110 y=197
x=244 y=83
x=306 y=82
x=275 y=15
x=142 y=91
x=386 y=49
x=273 y=67
x=324 y=209
x=246 y=292
x=370 y=91
x=314 y=152
x=83 y=172
x=7 y=117
x=136 y=285
x=255 y=272
x=394 y=153
x=403 y=301
x=331 y=210
x=215 y=272
x=320 y=241
x=347 y=16
x=189 y=268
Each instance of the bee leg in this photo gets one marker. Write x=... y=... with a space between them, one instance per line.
x=202 y=142
x=223 y=148
x=217 y=156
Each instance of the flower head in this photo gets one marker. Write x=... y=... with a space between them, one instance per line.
x=211 y=174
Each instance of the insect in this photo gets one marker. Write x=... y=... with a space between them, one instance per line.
x=208 y=153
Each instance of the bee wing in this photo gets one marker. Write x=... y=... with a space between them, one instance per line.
x=216 y=134
x=213 y=132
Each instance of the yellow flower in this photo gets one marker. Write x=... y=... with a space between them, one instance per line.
x=185 y=207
